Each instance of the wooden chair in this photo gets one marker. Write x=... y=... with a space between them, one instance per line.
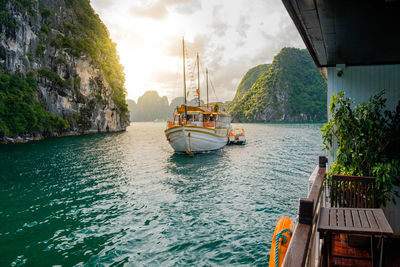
x=352 y=191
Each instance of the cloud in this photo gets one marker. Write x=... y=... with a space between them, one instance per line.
x=242 y=27
x=174 y=45
x=286 y=36
x=165 y=77
x=218 y=26
x=103 y=4
x=156 y=11
x=159 y=9
x=227 y=77
x=188 y=8
x=175 y=2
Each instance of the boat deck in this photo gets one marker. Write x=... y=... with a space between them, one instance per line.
x=359 y=246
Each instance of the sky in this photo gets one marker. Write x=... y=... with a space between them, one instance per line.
x=231 y=36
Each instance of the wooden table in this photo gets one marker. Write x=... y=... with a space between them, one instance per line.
x=370 y=222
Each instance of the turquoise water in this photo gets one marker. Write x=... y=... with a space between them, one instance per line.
x=126 y=198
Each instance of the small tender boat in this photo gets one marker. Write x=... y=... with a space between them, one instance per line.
x=237 y=136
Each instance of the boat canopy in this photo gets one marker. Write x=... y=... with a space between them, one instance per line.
x=192 y=109
x=189 y=109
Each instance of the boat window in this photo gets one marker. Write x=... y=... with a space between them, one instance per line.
x=195 y=119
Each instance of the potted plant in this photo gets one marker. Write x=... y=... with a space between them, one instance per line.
x=368 y=142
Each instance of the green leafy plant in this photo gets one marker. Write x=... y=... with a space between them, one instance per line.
x=367 y=140
x=20 y=112
x=45 y=29
x=216 y=107
x=40 y=50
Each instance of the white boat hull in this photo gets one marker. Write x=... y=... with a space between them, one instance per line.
x=240 y=140
x=190 y=138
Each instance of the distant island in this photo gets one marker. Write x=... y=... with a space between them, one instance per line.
x=152 y=107
x=291 y=89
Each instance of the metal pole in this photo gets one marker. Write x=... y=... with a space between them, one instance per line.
x=184 y=74
x=198 y=77
x=207 y=85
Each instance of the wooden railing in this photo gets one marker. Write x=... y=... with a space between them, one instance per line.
x=301 y=251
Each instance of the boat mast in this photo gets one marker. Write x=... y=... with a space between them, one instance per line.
x=207 y=85
x=198 y=77
x=184 y=74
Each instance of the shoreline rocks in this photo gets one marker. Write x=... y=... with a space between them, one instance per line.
x=5 y=140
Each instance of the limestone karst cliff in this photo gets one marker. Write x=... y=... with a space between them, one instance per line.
x=65 y=65
x=291 y=89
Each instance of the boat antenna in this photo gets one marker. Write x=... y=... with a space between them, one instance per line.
x=184 y=74
x=207 y=85
x=198 y=78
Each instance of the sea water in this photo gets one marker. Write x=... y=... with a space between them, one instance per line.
x=127 y=199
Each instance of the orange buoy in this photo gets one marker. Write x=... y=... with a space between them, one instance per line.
x=283 y=230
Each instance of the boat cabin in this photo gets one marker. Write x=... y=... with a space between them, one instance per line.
x=211 y=116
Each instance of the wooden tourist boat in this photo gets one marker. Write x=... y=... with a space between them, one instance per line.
x=199 y=128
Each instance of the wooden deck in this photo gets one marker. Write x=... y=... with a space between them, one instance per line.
x=356 y=234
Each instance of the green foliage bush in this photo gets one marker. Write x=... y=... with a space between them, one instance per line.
x=367 y=139
x=22 y=5
x=54 y=78
x=71 y=28
x=45 y=29
x=40 y=50
x=44 y=12
x=248 y=80
x=20 y=113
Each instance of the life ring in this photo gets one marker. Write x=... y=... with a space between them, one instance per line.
x=280 y=241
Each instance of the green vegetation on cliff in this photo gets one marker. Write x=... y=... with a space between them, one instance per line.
x=291 y=89
x=73 y=68
x=93 y=39
x=20 y=113
x=248 y=80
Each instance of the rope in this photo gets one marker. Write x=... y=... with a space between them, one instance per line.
x=212 y=85
x=284 y=239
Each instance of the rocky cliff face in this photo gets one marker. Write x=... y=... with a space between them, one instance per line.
x=55 y=42
x=290 y=90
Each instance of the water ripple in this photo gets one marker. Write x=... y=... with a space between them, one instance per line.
x=126 y=199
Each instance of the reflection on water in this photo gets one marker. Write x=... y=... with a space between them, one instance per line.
x=127 y=198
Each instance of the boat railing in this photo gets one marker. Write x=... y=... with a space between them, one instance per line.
x=303 y=246
x=209 y=124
